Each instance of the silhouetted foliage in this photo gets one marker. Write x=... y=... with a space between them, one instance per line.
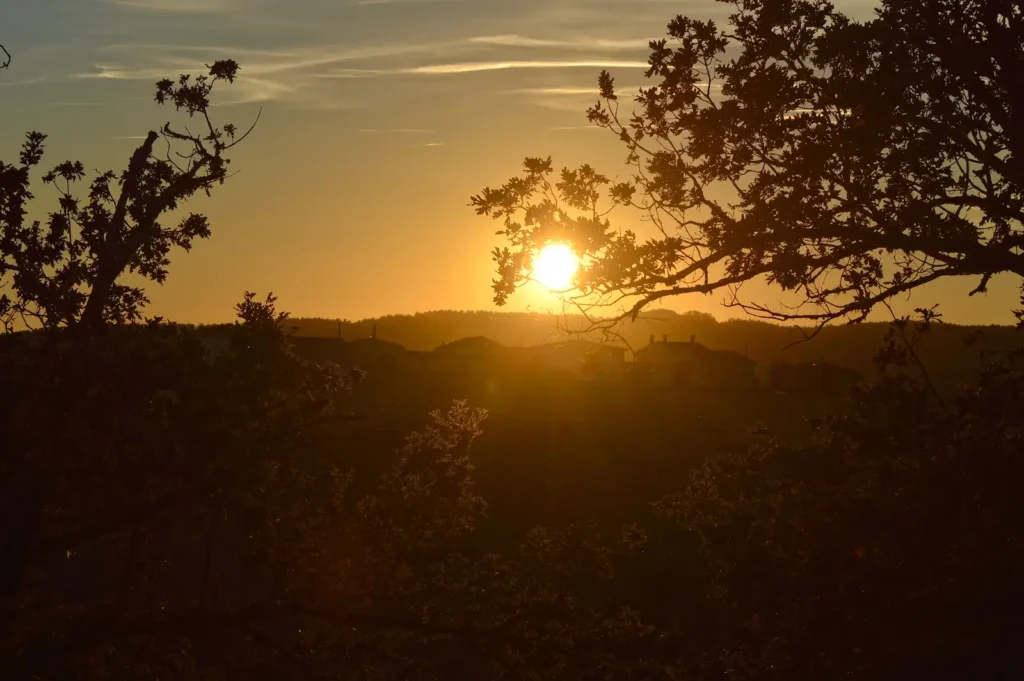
x=5 y=61
x=177 y=504
x=847 y=162
x=173 y=513
x=66 y=271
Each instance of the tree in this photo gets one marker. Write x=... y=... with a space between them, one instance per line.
x=883 y=544
x=846 y=162
x=5 y=62
x=176 y=515
x=66 y=272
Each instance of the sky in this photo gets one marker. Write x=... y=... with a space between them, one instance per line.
x=380 y=118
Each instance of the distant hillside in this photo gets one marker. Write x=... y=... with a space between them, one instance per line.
x=947 y=356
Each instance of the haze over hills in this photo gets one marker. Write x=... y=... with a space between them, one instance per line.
x=945 y=350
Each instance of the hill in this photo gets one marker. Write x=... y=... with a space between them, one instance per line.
x=950 y=358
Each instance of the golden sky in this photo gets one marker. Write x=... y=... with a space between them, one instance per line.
x=381 y=118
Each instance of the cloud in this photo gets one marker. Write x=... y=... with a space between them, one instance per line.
x=181 y=6
x=513 y=40
x=352 y=73
x=400 y=131
x=558 y=91
x=370 y=3
x=111 y=72
x=27 y=81
x=164 y=60
x=474 y=67
x=294 y=73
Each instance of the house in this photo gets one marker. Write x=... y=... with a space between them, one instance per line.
x=373 y=352
x=578 y=358
x=361 y=352
x=819 y=378
x=693 y=364
x=472 y=355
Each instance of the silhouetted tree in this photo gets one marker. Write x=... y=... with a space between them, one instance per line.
x=66 y=271
x=5 y=61
x=848 y=162
x=882 y=546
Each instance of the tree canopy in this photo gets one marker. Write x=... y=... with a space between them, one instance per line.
x=67 y=271
x=846 y=162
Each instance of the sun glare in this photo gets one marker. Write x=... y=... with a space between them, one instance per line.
x=555 y=267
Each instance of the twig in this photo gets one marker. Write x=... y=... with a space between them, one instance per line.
x=913 y=354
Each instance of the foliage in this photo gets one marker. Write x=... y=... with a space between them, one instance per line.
x=67 y=271
x=845 y=162
x=175 y=513
x=884 y=545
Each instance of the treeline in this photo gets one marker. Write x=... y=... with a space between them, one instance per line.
x=952 y=353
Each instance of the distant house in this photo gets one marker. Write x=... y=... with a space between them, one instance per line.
x=819 y=378
x=475 y=345
x=581 y=359
x=361 y=352
x=373 y=352
x=693 y=364
x=472 y=355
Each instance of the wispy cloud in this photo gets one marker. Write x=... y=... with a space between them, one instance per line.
x=113 y=72
x=367 y=3
x=181 y=6
x=294 y=74
x=256 y=62
x=474 y=67
x=352 y=73
x=512 y=40
x=566 y=91
x=399 y=131
x=27 y=81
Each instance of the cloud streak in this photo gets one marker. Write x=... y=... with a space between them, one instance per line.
x=475 y=67
x=371 y=3
x=294 y=73
x=178 y=6
x=400 y=131
x=557 y=91
x=27 y=81
x=513 y=40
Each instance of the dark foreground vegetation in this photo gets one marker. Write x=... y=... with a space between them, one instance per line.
x=170 y=512
x=171 y=517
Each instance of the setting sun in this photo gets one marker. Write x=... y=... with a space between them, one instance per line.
x=555 y=266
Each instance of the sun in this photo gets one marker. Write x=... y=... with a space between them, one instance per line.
x=555 y=267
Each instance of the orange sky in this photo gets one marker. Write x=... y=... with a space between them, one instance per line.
x=381 y=118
